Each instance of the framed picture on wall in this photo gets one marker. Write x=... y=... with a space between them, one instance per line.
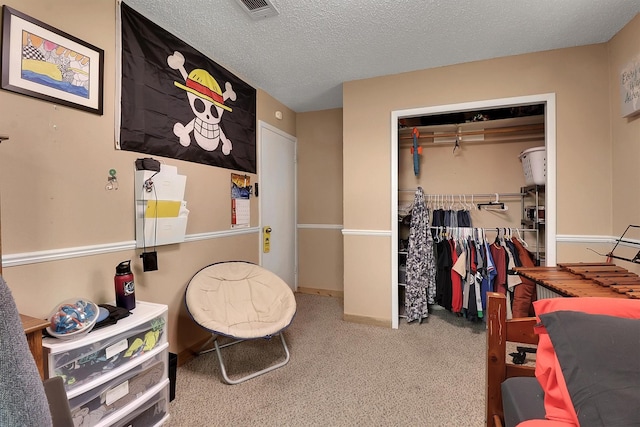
x=45 y=63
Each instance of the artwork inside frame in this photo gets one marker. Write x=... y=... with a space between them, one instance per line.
x=630 y=88
x=43 y=62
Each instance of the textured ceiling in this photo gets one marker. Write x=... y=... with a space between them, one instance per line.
x=302 y=56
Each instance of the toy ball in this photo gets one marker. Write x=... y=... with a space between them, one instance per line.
x=72 y=318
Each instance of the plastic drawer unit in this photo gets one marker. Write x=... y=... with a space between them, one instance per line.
x=113 y=399
x=104 y=354
x=152 y=412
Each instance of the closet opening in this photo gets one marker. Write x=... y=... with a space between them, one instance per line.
x=469 y=156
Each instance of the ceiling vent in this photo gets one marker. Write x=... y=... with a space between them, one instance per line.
x=258 y=9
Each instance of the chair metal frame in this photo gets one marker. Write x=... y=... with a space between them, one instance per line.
x=217 y=347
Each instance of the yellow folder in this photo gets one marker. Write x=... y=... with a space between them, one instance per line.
x=162 y=209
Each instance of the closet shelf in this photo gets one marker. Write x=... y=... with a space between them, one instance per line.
x=503 y=130
x=532 y=223
x=532 y=188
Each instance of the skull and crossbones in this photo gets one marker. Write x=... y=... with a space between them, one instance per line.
x=207 y=103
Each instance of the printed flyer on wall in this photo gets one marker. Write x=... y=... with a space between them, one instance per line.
x=240 y=203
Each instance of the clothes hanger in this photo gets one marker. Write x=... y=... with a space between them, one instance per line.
x=456 y=144
x=467 y=205
x=521 y=240
x=495 y=205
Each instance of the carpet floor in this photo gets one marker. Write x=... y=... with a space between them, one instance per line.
x=343 y=374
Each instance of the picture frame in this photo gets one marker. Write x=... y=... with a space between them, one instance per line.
x=630 y=88
x=43 y=62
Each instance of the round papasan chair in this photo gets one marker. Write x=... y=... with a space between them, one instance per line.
x=243 y=301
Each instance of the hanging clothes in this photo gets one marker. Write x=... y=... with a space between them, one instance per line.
x=464 y=218
x=525 y=293
x=456 y=276
x=438 y=218
x=443 y=275
x=420 y=287
x=499 y=255
x=488 y=279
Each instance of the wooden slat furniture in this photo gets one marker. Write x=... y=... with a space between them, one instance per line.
x=585 y=280
x=501 y=331
x=33 y=329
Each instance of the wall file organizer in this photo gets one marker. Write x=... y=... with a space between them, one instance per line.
x=161 y=211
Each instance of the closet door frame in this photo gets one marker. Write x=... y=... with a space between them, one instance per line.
x=549 y=99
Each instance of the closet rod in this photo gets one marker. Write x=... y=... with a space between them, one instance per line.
x=485 y=195
x=436 y=227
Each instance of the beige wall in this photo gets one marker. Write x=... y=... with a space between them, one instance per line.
x=625 y=132
x=580 y=79
x=320 y=246
x=53 y=173
x=475 y=168
x=625 y=138
x=320 y=167
x=266 y=111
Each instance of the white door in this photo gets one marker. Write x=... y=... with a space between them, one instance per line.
x=277 y=196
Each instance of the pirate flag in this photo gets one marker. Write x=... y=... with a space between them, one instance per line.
x=178 y=103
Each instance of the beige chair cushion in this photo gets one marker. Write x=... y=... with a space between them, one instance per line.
x=240 y=299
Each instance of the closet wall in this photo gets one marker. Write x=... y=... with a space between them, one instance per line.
x=473 y=168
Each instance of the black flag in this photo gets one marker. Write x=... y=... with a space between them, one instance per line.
x=178 y=103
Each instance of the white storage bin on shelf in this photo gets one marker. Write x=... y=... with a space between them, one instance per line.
x=106 y=353
x=534 y=165
x=116 y=398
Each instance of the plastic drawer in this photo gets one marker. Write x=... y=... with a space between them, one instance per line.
x=108 y=351
x=150 y=413
x=89 y=408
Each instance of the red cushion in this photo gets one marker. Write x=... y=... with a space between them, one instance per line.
x=543 y=423
x=557 y=402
